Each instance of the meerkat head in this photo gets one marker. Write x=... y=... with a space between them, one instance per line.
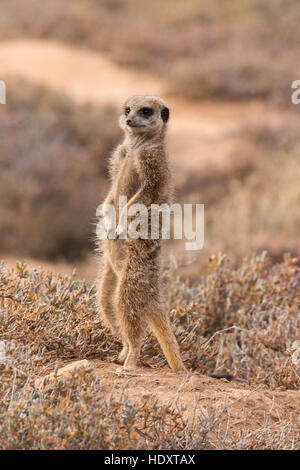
x=144 y=116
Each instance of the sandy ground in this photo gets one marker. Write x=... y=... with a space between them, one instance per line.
x=197 y=396
x=199 y=133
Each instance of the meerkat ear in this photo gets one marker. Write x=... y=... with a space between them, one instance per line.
x=165 y=113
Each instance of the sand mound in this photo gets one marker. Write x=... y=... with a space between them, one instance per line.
x=193 y=393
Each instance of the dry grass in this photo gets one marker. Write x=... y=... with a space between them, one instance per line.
x=53 y=169
x=75 y=413
x=212 y=50
x=260 y=211
x=240 y=321
x=252 y=203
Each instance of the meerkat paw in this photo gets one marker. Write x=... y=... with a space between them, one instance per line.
x=122 y=356
x=121 y=232
x=111 y=234
x=125 y=369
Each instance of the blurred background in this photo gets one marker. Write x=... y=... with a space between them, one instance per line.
x=224 y=66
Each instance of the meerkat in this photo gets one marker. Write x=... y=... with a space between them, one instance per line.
x=129 y=288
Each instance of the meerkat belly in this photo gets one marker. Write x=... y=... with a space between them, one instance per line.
x=127 y=184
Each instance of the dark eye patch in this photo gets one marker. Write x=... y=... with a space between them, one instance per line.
x=127 y=110
x=146 y=111
x=165 y=113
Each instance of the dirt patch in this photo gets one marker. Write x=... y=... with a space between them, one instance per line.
x=199 y=132
x=192 y=393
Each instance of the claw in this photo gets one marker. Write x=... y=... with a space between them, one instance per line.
x=122 y=235
x=111 y=234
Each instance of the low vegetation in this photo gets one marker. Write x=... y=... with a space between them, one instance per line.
x=75 y=413
x=241 y=322
x=260 y=211
x=53 y=171
x=222 y=49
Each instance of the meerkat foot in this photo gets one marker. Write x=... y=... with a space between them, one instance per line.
x=122 y=356
x=131 y=358
x=125 y=369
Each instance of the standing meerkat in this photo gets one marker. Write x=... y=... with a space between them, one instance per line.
x=129 y=289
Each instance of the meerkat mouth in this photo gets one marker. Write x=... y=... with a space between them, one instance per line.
x=135 y=125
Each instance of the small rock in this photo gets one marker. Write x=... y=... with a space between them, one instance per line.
x=63 y=371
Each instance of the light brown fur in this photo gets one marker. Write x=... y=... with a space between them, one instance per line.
x=129 y=290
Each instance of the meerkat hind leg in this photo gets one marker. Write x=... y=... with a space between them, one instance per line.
x=132 y=331
x=132 y=357
x=130 y=296
x=124 y=353
x=161 y=326
x=106 y=291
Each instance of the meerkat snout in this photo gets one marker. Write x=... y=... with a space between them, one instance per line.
x=144 y=115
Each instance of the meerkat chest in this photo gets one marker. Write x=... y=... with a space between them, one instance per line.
x=128 y=180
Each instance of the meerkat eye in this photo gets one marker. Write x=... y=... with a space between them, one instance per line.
x=146 y=111
x=127 y=110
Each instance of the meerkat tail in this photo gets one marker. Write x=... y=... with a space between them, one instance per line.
x=161 y=327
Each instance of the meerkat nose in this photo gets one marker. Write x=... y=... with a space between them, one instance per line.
x=129 y=121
